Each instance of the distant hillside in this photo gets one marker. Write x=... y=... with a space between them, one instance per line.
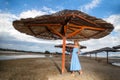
x=46 y=52
x=1 y=49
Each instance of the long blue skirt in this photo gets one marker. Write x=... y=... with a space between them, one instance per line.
x=75 y=63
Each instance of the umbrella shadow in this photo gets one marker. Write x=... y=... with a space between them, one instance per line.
x=55 y=65
x=67 y=66
x=67 y=63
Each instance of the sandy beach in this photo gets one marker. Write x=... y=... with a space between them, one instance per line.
x=48 y=68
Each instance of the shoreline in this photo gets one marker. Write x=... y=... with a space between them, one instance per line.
x=115 y=61
x=15 y=57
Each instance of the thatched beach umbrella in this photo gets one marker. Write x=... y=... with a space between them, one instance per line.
x=108 y=49
x=69 y=49
x=116 y=47
x=66 y=24
x=92 y=52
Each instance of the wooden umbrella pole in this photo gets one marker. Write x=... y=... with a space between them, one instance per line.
x=63 y=54
x=107 y=56
x=90 y=56
x=96 y=56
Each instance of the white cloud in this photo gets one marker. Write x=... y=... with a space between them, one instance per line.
x=48 y=10
x=115 y=20
x=108 y=41
x=31 y=13
x=91 y=5
x=6 y=22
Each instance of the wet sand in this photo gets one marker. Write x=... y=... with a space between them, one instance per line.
x=49 y=69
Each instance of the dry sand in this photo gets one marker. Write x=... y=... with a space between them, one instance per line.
x=49 y=69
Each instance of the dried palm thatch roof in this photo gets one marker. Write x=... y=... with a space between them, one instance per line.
x=108 y=49
x=69 y=49
x=116 y=47
x=73 y=24
x=91 y=52
x=60 y=46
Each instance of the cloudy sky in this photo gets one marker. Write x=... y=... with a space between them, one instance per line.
x=11 y=10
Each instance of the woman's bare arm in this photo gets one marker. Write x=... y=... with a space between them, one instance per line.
x=79 y=50
x=70 y=45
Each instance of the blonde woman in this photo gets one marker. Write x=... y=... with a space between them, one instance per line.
x=75 y=63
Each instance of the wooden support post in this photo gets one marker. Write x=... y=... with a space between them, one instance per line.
x=95 y=56
x=63 y=54
x=107 y=56
x=90 y=56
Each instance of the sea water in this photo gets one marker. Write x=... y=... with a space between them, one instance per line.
x=116 y=64
x=11 y=57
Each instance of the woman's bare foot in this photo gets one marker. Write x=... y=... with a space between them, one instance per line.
x=73 y=74
x=80 y=72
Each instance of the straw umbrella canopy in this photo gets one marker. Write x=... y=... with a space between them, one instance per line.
x=69 y=49
x=65 y=24
x=116 y=47
x=92 y=52
x=60 y=45
x=108 y=49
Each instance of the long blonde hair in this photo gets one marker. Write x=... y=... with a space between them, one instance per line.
x=76 y=41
